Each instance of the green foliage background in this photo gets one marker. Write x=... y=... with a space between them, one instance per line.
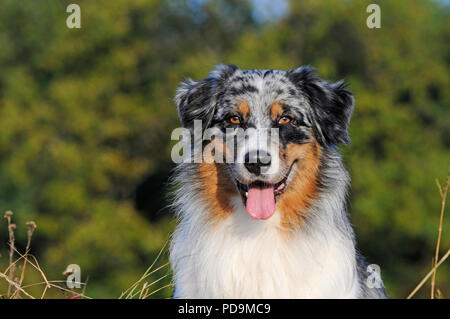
x=86 y=116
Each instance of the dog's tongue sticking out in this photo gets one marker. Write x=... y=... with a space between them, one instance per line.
x=260 y=202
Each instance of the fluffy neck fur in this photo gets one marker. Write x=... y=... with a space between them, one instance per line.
x=239 y=257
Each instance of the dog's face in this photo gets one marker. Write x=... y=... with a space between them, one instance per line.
x=278 y=123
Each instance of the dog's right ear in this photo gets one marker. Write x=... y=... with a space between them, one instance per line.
x=331 y=103
x=196 y=100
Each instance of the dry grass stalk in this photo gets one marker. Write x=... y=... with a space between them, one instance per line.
x=155 y=291
x=48 y=284
x=15 y=285
x=443 y=194
x=31 y=226
x=130 y=292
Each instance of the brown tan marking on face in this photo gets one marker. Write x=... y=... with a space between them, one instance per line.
x=243 y=108
x=276 y=110
x=297 y=198
x=217 y=188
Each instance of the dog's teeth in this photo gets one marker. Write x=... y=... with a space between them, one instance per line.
x=246 y=193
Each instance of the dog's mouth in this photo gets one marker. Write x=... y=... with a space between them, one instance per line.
x=260 y=198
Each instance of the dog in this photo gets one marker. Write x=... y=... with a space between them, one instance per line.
x=272 y=222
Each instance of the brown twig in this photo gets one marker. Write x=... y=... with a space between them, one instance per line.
x=31 y=226
x=141 y=279
x=67 y=290
x=443 y=194
x=424 y=280
x=28 y=259
x=148 y=272
x=155 y=291
x=12 y=267
x=13 y=284
x=14 y=263
x=36 y=266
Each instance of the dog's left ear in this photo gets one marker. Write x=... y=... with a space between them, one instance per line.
x=196 y=100
x=331 y=103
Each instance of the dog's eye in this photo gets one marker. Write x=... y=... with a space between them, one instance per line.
x=284 y=120
x=234 y=119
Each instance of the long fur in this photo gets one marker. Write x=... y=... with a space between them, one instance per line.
x=239 y=257
x=246 y=258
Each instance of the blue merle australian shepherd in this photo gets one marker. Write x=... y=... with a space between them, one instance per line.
x=272 y=222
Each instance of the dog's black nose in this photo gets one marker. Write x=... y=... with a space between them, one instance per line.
x=256 y=160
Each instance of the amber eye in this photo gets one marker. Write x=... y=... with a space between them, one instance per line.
x=284 y=120
x=234 y=119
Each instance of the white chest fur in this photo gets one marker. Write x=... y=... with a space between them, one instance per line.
x=244 y=258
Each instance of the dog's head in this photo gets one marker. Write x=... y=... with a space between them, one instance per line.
x=279 y=121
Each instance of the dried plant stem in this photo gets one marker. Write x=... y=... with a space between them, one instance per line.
x=144 y=287
x=13 y=284
x=37 y=267
x=130 y=291
x=12 y=266
x=15 y=288
x=14 y=263
x=155 y=291
x=424 y=280
x=31 y=226
x=51 y=282
x=147 y=291
x=443 y=194
x=133 y=294
x=67 y=290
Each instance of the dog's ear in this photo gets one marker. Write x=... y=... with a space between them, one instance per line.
x=196 y=100
x=331 y=103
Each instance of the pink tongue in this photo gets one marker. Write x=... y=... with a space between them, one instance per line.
x=260 y=202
